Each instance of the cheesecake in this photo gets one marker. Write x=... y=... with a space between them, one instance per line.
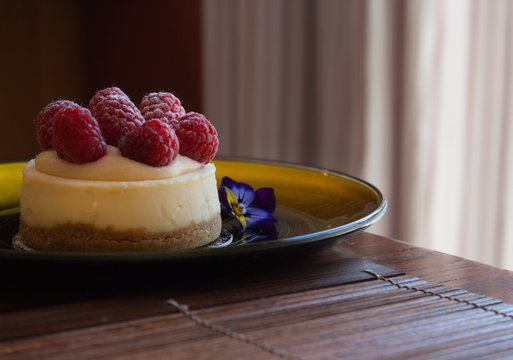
x=154 y=191
x=118 y=204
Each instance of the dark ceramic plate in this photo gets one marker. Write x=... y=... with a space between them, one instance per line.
x=316 y=208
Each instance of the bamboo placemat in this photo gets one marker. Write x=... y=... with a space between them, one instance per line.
x=379 y=317
x=387 y=318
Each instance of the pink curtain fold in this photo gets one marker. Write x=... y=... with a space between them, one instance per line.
x=414 y=97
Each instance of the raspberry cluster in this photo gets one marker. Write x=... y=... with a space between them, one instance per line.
x=154 y=134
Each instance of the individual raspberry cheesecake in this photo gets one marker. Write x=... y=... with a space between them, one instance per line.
x=111 y=179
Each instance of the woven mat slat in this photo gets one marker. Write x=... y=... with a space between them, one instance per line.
x=486 y=348
x=401 y=317
x=394 y=321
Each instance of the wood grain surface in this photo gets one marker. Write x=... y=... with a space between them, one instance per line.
x=429 y=265
x=323 y=304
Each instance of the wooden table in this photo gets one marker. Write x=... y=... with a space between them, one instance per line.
x=368 y=297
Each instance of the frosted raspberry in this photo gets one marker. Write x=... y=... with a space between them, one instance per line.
x=77 y=136
x=44 y=122
x=163 y=106
x=117 y=116
x=115 y=113
x=103 y=94
x=198 y=137
x=153 y=143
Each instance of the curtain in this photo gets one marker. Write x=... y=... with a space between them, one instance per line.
x=414 y=97
x=41 y=59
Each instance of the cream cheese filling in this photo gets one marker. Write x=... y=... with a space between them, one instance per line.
x=112 y=167
x=142 y=198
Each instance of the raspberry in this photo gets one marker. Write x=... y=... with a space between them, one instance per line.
x=117 y=116
x=163 y=106
x=153 y=143
x=44 y=122
x=115 y=113
x=198 y=138
x=77 y=136
x=103 y=94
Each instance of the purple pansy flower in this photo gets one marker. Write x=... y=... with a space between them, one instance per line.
x=252 y=209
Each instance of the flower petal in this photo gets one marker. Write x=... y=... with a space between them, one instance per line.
x=245 y=193
x=230 y=206
x=225 y=201
x=256 y=217
x=228 y=182
x=265 y=199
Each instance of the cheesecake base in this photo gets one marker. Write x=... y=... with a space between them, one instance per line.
x=86 y=238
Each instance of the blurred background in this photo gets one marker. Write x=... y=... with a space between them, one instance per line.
x=414 y=97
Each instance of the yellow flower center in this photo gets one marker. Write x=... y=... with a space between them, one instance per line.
x=238 y=209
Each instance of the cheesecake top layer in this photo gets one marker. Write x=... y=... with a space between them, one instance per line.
x=112 y=167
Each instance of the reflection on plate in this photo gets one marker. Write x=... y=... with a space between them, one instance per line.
x=315 y=207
